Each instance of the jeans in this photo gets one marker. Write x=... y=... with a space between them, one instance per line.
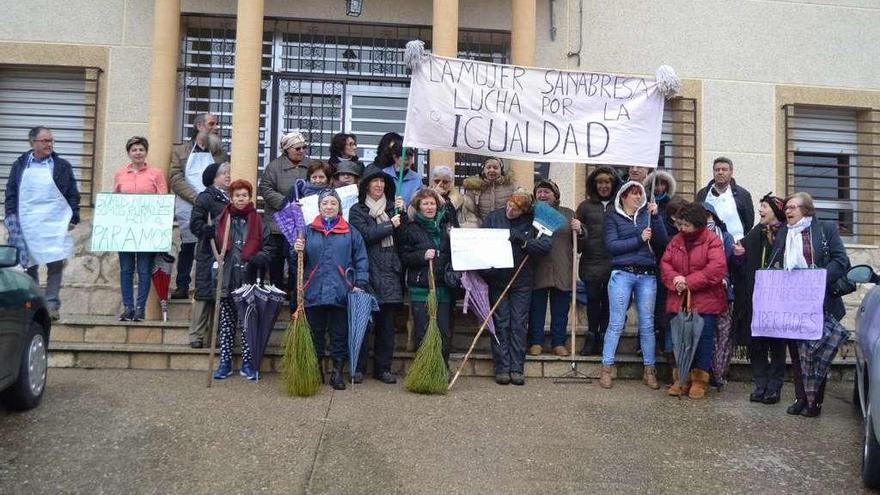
x=185 y=258
x=767 y=377
x=703 y=356
x=560 y=302
x=511 y=326
x=53 y=282
x=621 y=287
x=332 y=319
x=420 y=324
x=128 y=262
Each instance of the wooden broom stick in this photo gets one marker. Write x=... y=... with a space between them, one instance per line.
x=216 y=323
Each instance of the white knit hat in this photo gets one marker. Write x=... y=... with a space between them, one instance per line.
x=294 y=138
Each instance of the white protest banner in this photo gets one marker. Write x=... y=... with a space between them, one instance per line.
x=347 y=194
x=787 y=304
x=480 y=249
x=133 y=222
x=534 y=114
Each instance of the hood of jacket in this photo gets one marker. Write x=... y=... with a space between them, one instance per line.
x=711 y=209
x=478 y=183
x=592 y=193
x=671 y=184
x=364 y=186
x=618 y=199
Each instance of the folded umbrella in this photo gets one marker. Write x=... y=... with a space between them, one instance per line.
x=162 y=280
x=722 y=348
x=817 y=355
x=267 y=301
x=361 y=305
x=476 y=296
x=686 y=328
x=290 y=219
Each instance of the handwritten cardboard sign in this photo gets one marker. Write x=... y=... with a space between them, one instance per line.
x=787 y=304
x=480 y=249
x=133 y=222
x=347 y=194
x=533 y=114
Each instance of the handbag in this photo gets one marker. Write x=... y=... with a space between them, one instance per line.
x=842 y=286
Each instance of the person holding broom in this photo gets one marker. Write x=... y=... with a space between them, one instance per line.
x=426 y=238
x=331 y=248
x=512 y=313
x=246 y=238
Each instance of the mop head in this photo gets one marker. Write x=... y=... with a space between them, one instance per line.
x=428 y=373
x=547 y=219
x=667 y=81
x=414 y=53
x=299 y=366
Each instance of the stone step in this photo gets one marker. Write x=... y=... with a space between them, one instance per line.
x=182 y=357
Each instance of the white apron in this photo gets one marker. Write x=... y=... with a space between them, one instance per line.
x=44 y=215
x=725 y=207
x=196 y=164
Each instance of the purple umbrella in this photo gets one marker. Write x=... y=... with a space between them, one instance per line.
x=267 y=302
x=476 y=294
x=290 y=218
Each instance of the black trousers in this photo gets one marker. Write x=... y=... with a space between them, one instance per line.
x=185 y=258
x=332 y=320
x=276 y=263
x=597 y=309
x=511 y=327
x=767 y=376
x=382 y=329
x=420 y=324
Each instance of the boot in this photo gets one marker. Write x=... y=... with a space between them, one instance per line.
x=699 y=384
x=223 y=371
x=649 y=377
x=337 y=381
x=605 y=377
x=674 y=389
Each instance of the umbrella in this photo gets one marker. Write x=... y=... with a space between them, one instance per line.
x=290 y=218
x=267 y=302
x=476 y=295
x=686 y=328
x=162 y=279
x=818 y=355
x=722 y=348
x=361 y=306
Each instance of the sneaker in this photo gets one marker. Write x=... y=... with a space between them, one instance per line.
x=386 y=377
x=502 y=378
x=127 y=315
x=535 y=350
x=224 y=371
x=517 y=379
x=248 y=371
x=138 y=314
x=179 y=293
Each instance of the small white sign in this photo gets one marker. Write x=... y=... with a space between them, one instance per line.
x=480 y=249
x=348 y=195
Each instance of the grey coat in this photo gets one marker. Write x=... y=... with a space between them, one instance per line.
x=277 y=181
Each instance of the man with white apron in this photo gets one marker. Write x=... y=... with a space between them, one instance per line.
x=732 y=203
x=188 y=161
x=42 y=207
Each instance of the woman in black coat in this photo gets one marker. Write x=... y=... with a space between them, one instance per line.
x=377 y=216
x=807 y=242
x=426 y=237
x=206 y=209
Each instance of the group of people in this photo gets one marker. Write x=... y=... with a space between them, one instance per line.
x=639 y=244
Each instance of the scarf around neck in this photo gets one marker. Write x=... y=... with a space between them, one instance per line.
x=254 y=238
x=794 y=245
x=378 y=213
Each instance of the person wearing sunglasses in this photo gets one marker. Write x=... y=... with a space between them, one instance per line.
x=278 y=180
x=443 y=182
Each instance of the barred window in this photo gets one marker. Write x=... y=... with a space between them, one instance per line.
x=832 y=154
x=62 y=99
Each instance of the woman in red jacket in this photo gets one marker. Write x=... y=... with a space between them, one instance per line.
x=695 y=263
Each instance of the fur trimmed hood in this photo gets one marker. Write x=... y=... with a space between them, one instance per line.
x=478 y=183
x=663 y=175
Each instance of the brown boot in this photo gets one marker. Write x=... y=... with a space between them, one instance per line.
x=674 y=390
x=649 y=377
x=605 y=377
x=535 y=350
x=699 y=384
x=560 y=351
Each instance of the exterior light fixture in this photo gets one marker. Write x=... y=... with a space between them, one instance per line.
x=354 y=8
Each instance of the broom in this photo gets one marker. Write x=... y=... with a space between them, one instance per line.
x=428 y=373
x=299 y=366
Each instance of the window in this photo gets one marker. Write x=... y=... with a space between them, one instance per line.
x=831 y=154
x=65 y=100
x=678 y=144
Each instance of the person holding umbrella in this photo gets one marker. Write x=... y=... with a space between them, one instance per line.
x=375 y=217
x=136 y=178
x=512 y=314
x=425 y=238
x=209 y=204
x=246 y=239
x=634 y=231
x=694 y=266
x=331 y=248
x=807 y=242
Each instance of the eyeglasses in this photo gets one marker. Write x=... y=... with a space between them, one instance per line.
x=791 y=207
x=441 y=181
x=46 y=141
x=299 y=148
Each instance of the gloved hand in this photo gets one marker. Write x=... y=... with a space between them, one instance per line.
x=209 y=232
x=518 y=237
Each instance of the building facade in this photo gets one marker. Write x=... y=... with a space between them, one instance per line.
x=787 y=90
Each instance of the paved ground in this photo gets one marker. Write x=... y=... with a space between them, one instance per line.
x=105 y=431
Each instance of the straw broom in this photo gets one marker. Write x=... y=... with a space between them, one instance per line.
x=428 y=373
x=299 y=366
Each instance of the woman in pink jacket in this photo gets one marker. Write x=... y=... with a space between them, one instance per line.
x=136 y=178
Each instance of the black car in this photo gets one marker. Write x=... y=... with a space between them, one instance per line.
x=24 y=335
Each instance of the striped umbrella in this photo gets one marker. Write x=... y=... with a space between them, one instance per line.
x=361 y=306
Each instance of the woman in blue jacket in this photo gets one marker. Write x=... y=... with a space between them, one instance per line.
x=634 y=231
x=331 y=247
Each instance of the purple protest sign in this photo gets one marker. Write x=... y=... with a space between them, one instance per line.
x=788 y=304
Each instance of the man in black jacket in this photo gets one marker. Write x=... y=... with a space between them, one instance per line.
x=42 y=206
x=732 y=202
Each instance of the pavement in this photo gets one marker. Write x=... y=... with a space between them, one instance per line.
x=126 y=431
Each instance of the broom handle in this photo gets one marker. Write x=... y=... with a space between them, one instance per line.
x=572 y=312
x=486 y=322
x=216 y=322
x=300 y=266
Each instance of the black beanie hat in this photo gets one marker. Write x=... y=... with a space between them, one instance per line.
x=209 y=174
x=775 y=204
